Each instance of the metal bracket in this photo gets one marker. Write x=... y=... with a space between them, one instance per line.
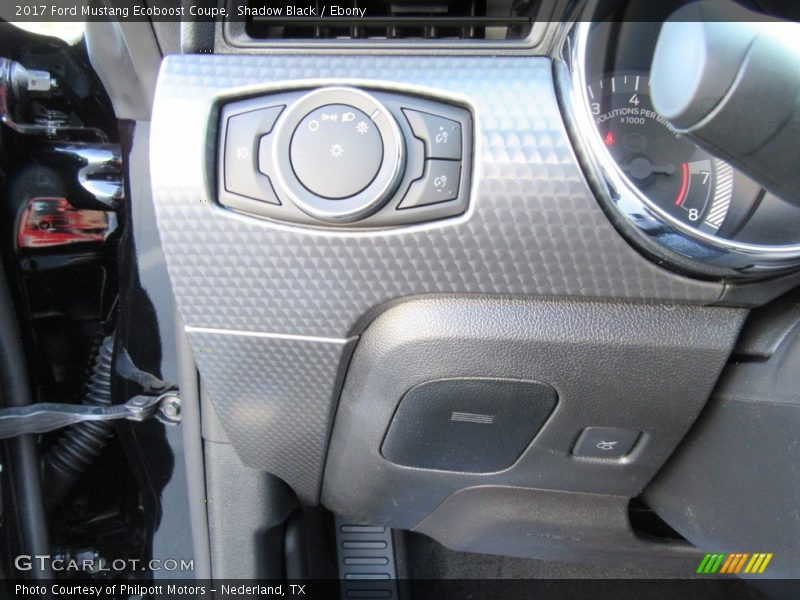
x=47 y=416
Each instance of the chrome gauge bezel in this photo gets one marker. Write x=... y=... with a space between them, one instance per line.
x=639 y=217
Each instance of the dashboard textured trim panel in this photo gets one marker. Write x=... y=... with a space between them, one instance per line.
x=275 y=399
x=533 y=226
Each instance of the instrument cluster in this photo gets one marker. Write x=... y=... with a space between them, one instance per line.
x=672 y=199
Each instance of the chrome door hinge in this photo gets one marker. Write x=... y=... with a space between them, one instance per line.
x=47 y=416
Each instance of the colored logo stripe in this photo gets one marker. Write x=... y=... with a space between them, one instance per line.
x=710 y=563
x=758 y=563
x=734 y=563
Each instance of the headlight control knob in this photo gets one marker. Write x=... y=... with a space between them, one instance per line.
x=338 y=154
x=336 y=151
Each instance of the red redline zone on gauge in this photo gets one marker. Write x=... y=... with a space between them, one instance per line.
x=684 y=185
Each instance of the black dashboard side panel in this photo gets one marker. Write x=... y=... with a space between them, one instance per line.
x=246 y=509
x=642 y=367
x=275 y=399
x=733 y=484
x=550 y=525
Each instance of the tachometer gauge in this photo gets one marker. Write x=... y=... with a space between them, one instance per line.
x=680 y=205
x=681 y=179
